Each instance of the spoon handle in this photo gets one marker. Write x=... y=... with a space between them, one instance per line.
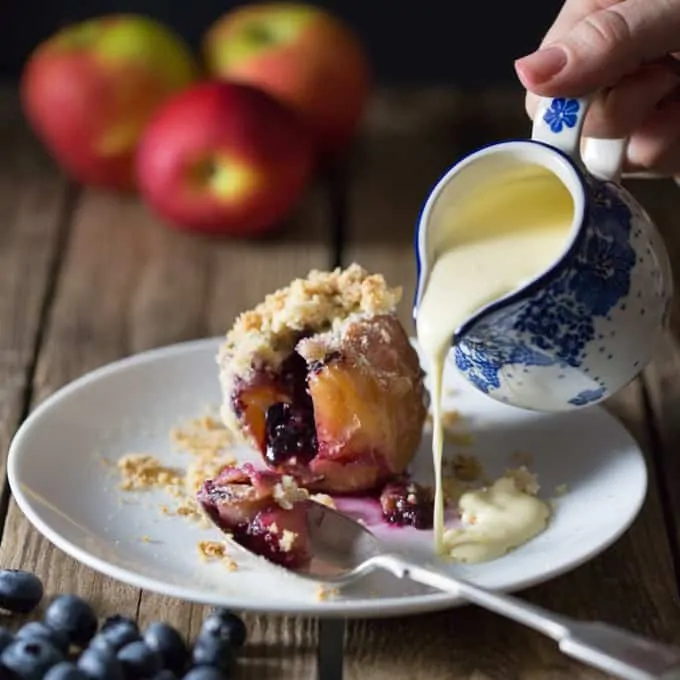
x=600 y=645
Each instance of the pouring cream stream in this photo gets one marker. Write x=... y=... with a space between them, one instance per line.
x=501 y=235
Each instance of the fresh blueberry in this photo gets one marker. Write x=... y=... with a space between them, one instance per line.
x=118 y=631
x=40 y=630
x=74 y=616
x=205 y=673
x=210 y=650
x=165 y=674
x=224 y=624
x=20 y=591
x=139 y=660
x=6 y=638
x=169 y=644
x=100 y=664
x=65 y=671
x=30 y=659
x=101 y=643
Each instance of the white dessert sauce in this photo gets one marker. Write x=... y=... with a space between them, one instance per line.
x=494 y=239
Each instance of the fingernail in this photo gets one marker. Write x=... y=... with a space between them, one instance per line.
x=543 y=64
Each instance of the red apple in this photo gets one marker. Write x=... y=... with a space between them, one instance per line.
x=300 y=54
x=89 y=90
x=224 y=158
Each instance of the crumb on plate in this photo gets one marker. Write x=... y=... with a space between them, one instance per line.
x=525 y=480
x=522 y=458
x=201 y=436
x=141 y=471
x=324 y=593
x=466 y=468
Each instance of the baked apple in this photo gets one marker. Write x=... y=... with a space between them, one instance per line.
x=321 y=378
x=262 y=511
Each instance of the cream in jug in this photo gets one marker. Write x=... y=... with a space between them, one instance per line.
x=496 y=238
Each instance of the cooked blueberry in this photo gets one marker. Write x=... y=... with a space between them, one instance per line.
x=139 y=660
x=100 y=664
x=165 y=674
x=119 y=631
x=30 y=659
x=40 y=630
x=290 y=433
x=226 y=625
x=20 y=591
x=169 y=644
x=6 y=638
x=210 y=650
x=205 y=673
x=65 y=671
x=74 y=616
x=406 y=503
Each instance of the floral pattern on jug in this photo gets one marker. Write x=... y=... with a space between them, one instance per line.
x=562 y=113
x=566 y=335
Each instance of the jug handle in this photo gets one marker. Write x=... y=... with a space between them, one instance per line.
x=559 y=122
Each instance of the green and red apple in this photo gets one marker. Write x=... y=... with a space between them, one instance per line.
x=307 y=58
x=224 y=158
x=89 y=90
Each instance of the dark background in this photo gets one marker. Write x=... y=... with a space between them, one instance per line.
x=464 y=43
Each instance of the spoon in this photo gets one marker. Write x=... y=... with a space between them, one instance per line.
x=343 y=550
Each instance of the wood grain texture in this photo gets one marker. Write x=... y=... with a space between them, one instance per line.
x=410 y=139
x=128 y=284
x=33 y=206
x=662 y=377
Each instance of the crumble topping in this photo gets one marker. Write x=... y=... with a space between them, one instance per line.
x=467 y=468
x=287 y=540
x=269 y=331
x=324 y=593
x=324 y=499
x=215 y=550
x=141 y=471
x=525 y=480
x=287 y=493
x=201 y=436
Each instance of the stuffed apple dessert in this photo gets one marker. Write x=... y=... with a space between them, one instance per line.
x=321 y=378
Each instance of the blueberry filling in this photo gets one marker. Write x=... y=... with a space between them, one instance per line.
x=408 y=504
x=290 y=430
x=291 y=433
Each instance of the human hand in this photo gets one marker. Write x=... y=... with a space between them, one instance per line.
x=621 y=49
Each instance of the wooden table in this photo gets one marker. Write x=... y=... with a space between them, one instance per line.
x=87 y=277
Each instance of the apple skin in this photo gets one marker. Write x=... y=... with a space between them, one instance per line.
x=89 y=90
x=224 y=158
x=302 y=55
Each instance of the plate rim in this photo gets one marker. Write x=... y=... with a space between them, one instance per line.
x=363 y=608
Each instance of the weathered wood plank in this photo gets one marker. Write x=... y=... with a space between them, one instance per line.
x=128 y=284
x=662 y=377
x=34 y=201
x=410 y=140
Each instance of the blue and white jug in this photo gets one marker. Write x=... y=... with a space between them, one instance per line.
x=591 y=321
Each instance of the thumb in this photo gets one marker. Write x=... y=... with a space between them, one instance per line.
x=603 y=47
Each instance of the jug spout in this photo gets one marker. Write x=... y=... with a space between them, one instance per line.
x=492 y=228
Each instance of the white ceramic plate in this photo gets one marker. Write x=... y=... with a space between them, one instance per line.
x=59 y=481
